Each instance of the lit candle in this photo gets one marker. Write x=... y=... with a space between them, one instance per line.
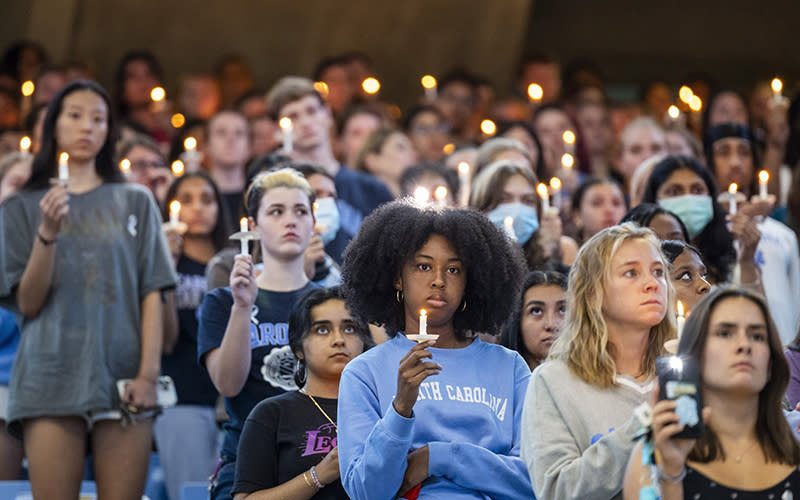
x=422 y=195
x=27 y=90
x=174 y=212
x=508 y=224
x=681 y=320
x=191 y=155
x=569 y=141
x=464 y=181
x=544 y=195
x=685 y=93
x=25 y=144
x=158 y=95
x=763 y=178
x=440 y=195
x=423 y=322
x=567 y=160
x=555 y=191
x=777 y=88
x=63 y=168
x=695 y=104
x=673 y=113
x=287 y=127
x=535 y=92
x=429 y=84
x=243 y=228
x=125 y=166
x=732 y=189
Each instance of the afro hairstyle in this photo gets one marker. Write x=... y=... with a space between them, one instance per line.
x=394 y=232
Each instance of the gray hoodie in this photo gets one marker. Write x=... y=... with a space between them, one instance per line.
x=576 y=437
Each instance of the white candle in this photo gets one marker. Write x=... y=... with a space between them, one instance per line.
x=544 y=195
x=681 y=320
x=429 y=84
x=286 y=130
x=732 y=189
x=555 y=191
x=535 y=92
x=191 y=155
x=464 y=181
x=174 y=212
x=569 y=141
x=423 y=322
x=25 y=144
x=243 y=228
x=763 y=178
x=63 y=168
x=125 y=166
x=508 y=223
x=567 y=161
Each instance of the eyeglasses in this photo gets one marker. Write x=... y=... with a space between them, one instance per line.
x=142 y=164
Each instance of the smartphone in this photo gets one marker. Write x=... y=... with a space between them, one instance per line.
x=679 y=380
x=165 y=391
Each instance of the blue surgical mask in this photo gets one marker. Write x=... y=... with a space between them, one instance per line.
x=327 y=215
x=694 y=210
x=526 y=220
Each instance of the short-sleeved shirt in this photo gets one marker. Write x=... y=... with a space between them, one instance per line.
x=272 y=363
x=282 y=438
x=192 y=383
x=111 y=253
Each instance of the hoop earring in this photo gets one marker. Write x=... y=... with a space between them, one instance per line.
x=300 y=375
x=398 y=295
x=464 y=306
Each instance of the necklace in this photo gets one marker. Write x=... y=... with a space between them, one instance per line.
x=321 y=410
x=738 y=458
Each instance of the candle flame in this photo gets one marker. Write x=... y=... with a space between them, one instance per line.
x=674 y=112
x=535 y=92
x=158 y=94
x=777 y=85
x=190 y=143
x=125 y=165
x=676 y=363
x=175 y=207
x=422 y=195
x=733 y=188
x=679 y=307
x=440 y=193
x=541 y=188
x=177 y=120
x=243 y=223
x=285 y=123
x=322 y=88
x=428 y=81
x=449 y=148
x=568 y=136
x=64 y=157
x=763 y=177
x=695 y=103
x=423 y=313
x=555 y=184
x=567 y=160
x=371 y=85
x=316 y=206
x=463 y=167
x=177 y=168
x=488 y=127
x=27 y=88
x=25 y=143
x=685 y=93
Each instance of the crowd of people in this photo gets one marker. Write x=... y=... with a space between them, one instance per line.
x=475 y=289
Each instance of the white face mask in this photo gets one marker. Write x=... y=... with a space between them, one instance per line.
x=327 y=215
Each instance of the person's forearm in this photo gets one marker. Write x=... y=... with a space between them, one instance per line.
x=229 y=364
x=300 y=487
x=37 y=278
x=170 y=322
x=150 y=363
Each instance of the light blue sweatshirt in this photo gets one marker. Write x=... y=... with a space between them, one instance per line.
x=469 y=416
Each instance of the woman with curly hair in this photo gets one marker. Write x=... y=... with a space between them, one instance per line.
x=578 y=424
x=455 y=407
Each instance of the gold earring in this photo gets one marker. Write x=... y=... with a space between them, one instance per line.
x=464 y=306
x=398 y=295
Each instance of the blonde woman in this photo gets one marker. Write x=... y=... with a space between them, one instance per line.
x=578 y=423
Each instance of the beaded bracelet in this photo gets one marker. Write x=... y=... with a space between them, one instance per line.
x=316 y=478
x=670 y=479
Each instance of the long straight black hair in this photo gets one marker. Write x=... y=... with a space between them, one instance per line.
x=46 y=160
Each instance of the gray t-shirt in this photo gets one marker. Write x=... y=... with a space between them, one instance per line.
x=110 y=253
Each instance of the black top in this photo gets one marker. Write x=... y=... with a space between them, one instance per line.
x=696 y=486
x=282 y=438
